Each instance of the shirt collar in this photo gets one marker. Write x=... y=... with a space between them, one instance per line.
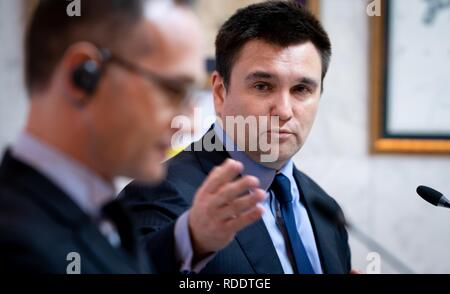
x=264 y=174
x=87 y=189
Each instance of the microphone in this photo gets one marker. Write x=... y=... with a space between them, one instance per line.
x=336 y=216
x=432 y=196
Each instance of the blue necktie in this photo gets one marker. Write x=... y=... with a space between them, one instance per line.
x=282 y=189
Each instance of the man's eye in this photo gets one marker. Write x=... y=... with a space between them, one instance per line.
x=262 y=87
x=302 y=89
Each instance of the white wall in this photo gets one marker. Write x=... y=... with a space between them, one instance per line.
x=377 y=192
x=12 y=94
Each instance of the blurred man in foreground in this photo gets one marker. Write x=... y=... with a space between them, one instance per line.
x=104 y=88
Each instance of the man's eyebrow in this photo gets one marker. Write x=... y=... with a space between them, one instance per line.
x=186 y=79
x=308 y=81
x=268 y=76
x=259 y=75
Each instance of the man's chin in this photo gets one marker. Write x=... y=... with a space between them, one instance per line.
x=275 y=158
x=152 y=174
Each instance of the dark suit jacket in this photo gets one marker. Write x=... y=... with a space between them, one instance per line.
x=40 y=225
x=252 y=250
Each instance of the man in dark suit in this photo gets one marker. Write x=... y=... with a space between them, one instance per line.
x=104 y=87
x=271 y=62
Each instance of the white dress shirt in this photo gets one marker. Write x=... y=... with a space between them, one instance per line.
x=270 y=204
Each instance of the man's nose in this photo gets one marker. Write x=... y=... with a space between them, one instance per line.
x=282 y=106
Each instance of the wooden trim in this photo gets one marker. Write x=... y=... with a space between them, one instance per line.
x=28 y=7
x=377 y=62
x=314 y=6
x=382 y=145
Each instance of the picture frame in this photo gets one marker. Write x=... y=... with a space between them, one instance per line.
x=404 y=118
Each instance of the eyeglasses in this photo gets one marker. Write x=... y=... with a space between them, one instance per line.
x=177 y=91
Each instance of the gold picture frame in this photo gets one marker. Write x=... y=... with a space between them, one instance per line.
x=381 y=140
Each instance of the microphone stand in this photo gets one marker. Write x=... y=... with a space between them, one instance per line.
x=336 y=216
x=377 y=247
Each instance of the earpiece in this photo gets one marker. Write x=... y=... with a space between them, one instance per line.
x=86 y=76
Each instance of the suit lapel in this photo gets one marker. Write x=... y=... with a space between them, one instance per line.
x=324 y=233
x=111 y=260
x=257 y=245
x=65 y=212
x=210 y=159
x=254 y=240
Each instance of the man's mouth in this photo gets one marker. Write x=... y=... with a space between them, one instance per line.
x=280 y=134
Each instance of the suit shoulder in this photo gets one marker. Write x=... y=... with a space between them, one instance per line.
x=20 y=213
x=22 y=222
x=185 y=173
x=184 y=162
x=185 y=156
x=318 y=190
x=176 y=191
x=165 y=196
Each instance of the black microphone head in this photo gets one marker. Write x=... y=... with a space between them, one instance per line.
x=430 y=195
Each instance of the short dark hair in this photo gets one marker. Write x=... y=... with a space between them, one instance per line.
x=282 y=23
x=51 y=31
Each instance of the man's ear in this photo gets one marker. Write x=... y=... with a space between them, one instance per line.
x=76 y=56
x=219 y=92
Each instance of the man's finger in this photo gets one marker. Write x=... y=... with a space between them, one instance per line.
x=241 y=205
x=245 y=219
x=222 y=174
x=230 y=191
